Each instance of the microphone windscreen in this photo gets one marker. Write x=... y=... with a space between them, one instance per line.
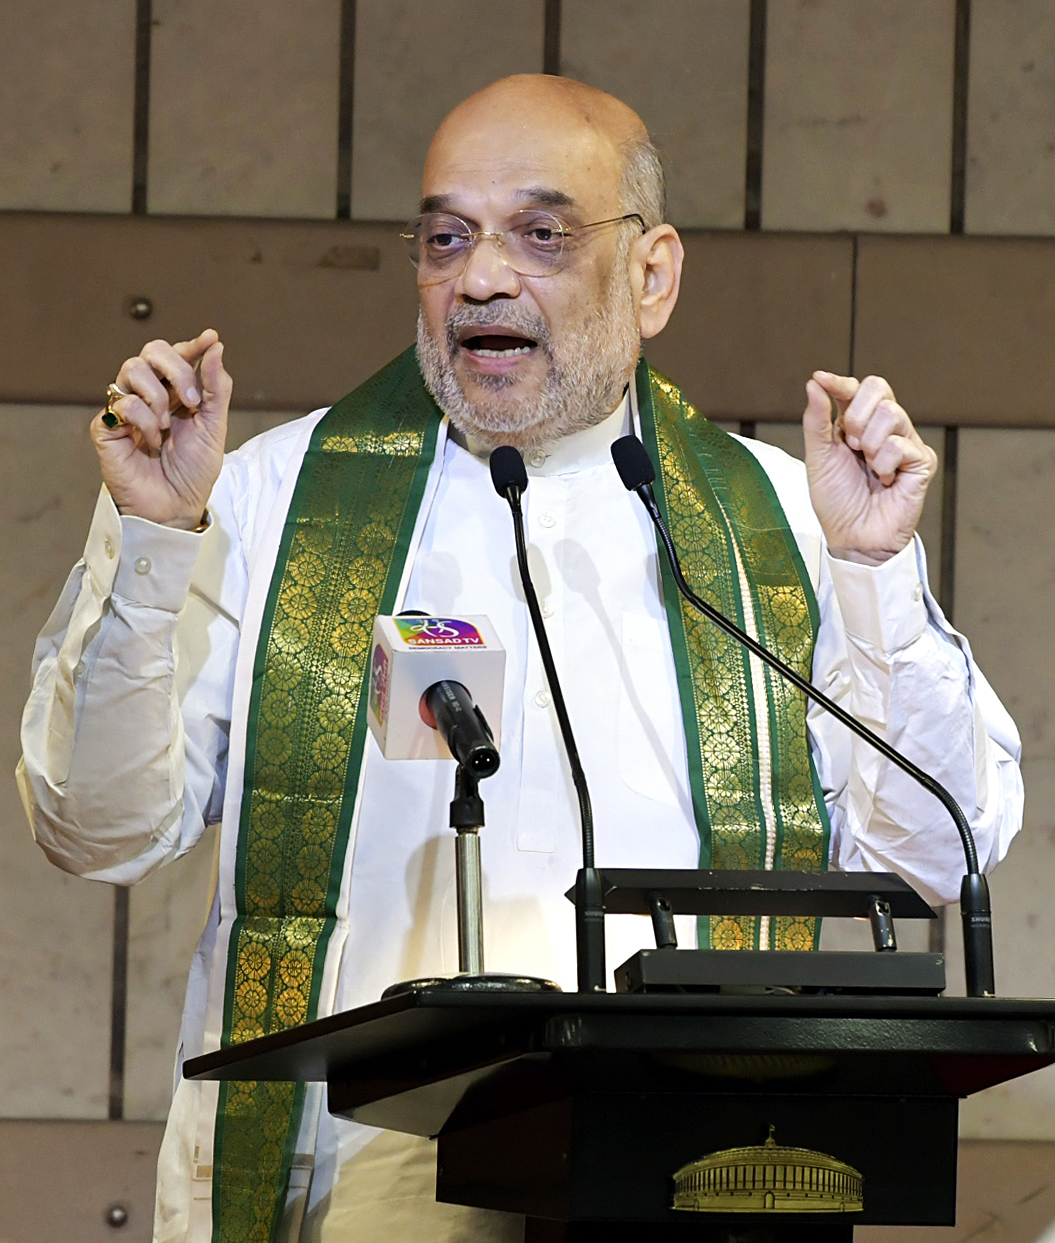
x=507 y=469
x=632 y=462
x=410 y=655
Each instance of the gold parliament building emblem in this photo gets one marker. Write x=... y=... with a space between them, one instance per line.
x=768 y=1178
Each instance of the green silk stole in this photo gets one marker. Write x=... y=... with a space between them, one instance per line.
x=339 y=563
x=756 y=797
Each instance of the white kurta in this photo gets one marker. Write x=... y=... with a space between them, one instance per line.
x=126 y=746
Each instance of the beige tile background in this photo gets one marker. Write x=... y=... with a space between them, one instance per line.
x=410 y=70
x=66 y=82
x=858 y=115
x=1011 y=117
x=243 y=107
x=1005 y=604
x=56 y=938
x=697 y=105
x=59 y=1179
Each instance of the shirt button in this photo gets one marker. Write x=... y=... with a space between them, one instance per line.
x=108 y=547
x=536 y=458
x=142 y=565
x=547 y=609
x=917 y=592
x=78 y=668
x=547 y=520
x=543 y=699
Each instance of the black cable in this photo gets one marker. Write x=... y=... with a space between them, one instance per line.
x=509 y=476
x=512 y=494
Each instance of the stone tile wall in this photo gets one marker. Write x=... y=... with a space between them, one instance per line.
x=244 y=120
x=858 y=115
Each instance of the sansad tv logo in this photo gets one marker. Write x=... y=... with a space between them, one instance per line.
x=438 y=632
x=379 y=685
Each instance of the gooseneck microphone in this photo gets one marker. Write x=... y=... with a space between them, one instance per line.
x=509 y=476
x=638 y=474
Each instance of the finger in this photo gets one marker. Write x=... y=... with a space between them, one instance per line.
x=139 y=417
x=215 y=381
x=167 y=361
x=842 y=387
x=101 y=433
x=887 y=419
x=857 y=415
x=138 y=424
x=904 y=455
x=193 y=351
x=817 y=429
x=142 y=381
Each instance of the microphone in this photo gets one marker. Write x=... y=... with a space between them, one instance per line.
x=509 y=476
x=508 y=471
x=638 y=474
x=420 y=705
x=448 y=707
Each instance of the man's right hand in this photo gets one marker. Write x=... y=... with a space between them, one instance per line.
x=162 y=460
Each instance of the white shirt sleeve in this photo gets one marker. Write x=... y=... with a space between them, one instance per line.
x=134 y=666
x=125 y=733
x=886 y=653
x=910 y=677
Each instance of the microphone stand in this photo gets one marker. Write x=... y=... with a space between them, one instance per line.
x=467 y=817
x=470 y=741
x=510 y=479
x=637 y=473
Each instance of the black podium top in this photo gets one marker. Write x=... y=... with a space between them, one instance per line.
x=404 y=1062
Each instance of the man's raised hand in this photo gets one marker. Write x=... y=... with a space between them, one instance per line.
x=868 y=469
x=161 y=461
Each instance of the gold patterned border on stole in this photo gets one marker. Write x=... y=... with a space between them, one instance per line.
x=756 y=804
x=338 y=566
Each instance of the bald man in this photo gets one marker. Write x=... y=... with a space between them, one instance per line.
x=207 y=659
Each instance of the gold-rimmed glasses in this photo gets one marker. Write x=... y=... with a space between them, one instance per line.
x=533 y=243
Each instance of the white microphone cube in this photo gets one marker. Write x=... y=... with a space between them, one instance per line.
x=410 y=654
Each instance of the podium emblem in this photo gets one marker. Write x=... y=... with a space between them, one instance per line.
x=768 y=1178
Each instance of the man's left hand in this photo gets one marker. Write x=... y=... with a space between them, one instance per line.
x=868 y=469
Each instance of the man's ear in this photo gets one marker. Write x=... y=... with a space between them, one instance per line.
x=656 y=259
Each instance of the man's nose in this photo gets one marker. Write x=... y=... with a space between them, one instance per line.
x=486 y=272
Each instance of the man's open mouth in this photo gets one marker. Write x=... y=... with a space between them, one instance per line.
x=497 y=345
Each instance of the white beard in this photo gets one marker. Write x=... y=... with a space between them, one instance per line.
x=588 y=371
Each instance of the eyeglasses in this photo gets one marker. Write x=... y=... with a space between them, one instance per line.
x=534 y=244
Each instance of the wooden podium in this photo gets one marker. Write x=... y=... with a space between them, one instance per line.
x=577 y=1109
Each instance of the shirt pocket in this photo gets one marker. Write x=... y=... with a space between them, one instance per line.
x=650 y=742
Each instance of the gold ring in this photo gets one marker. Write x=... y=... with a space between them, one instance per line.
x=111 y=417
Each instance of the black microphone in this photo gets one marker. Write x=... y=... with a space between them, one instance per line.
x=508 y=471
x=509 y=476
x=448 y=707
x=638 y=474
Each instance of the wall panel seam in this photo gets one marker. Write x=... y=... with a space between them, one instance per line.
x=345 y=110
x=961 y=66
x=141 y=106
x=119 y=1005
x=756 y=114
x=551 y=38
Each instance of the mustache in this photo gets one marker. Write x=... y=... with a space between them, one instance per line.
x=498 y=315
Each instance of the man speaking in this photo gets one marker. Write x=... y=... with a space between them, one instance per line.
x=207 y=659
